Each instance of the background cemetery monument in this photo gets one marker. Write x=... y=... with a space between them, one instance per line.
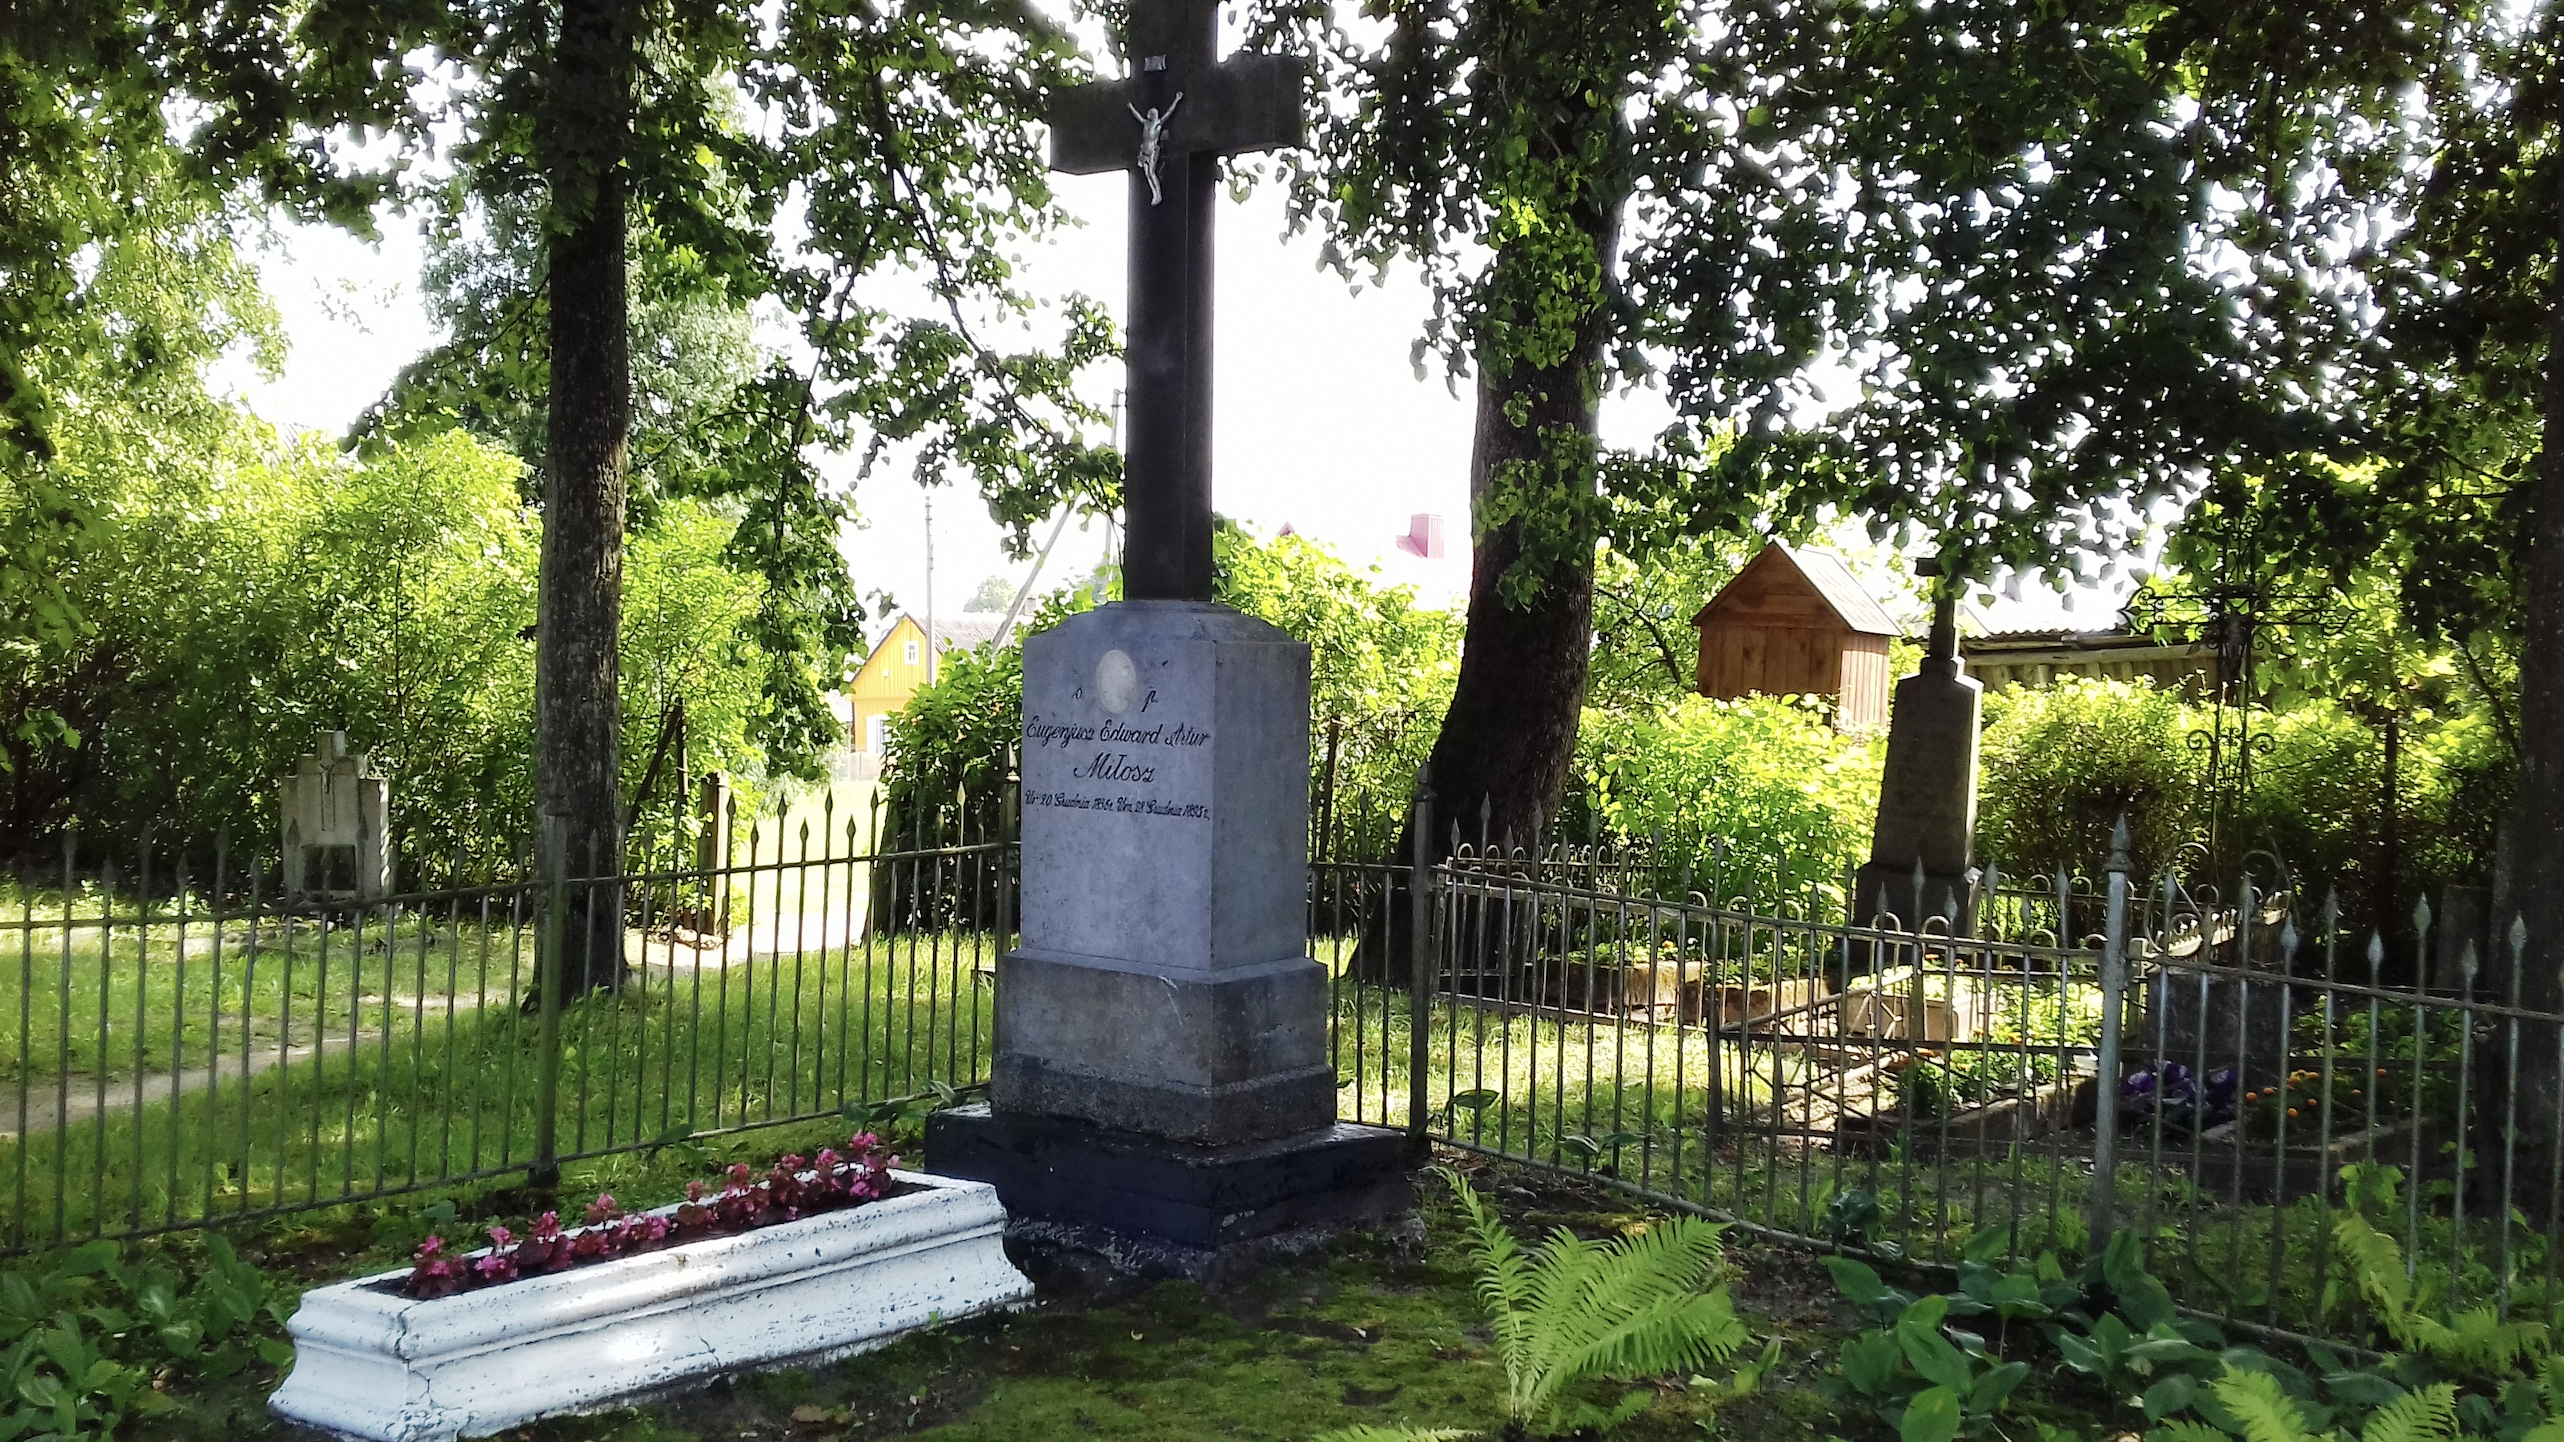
x=1926 y=829
x=1161 y=1090
x=335 y=815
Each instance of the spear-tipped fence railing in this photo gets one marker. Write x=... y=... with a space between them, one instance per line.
x=181 y=1044
x=191 y=1045
x=2230 y=1071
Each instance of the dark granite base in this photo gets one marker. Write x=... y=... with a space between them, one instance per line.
x=1166 y=1207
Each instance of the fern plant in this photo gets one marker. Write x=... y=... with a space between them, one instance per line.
x=2475 y=1343
x=1575 y=1310
x=2264 y=1412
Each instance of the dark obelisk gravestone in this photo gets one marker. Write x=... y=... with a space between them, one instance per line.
x=1161 y=1091
x=1921 y=864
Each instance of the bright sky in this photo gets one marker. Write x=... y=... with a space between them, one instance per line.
x=1320 y=421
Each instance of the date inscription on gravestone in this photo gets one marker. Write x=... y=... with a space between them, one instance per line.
x=1126 y=751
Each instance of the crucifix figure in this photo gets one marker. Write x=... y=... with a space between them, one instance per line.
x=1167 y=124
x=1152 y=136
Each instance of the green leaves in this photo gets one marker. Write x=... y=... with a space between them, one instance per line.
x=1933 y=1416
x=2477 y=1342
x=84 y=1329
x=1920 y=1375
x=1728 y=790
x=1575 y=1310
x=1859 y=1282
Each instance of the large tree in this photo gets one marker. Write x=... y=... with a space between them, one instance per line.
x=120 y=283
x=888 y=141
x=2450 y=210
x=2004 y=233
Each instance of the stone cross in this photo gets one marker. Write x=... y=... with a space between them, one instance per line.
x=1922 y=845
x=1168 y=124
x=1160 y=1089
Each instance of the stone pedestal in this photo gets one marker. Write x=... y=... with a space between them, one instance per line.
x=1926 y=804
x=1161 y=1032
x=2209 y=1023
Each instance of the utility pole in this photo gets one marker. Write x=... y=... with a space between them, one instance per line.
x=930 y=588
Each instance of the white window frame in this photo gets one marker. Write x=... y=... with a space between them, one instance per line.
x=912 y=653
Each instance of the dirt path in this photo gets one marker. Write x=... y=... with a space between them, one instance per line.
x=75 y=1098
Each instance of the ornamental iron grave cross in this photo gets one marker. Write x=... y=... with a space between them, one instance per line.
x=1168 y=124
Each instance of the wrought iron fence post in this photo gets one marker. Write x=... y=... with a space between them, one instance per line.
x=544 y=1172
x=2114 y=986
x=1420 y=961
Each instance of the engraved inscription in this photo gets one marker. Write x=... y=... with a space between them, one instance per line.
x=1109 y=764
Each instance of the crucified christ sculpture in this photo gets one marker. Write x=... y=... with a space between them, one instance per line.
x=1152 y=130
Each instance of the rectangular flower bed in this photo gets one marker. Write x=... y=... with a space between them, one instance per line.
x=372 y=1362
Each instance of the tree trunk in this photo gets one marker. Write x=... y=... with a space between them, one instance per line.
x=1500 y=763
x=578 y=714
x=2538 y=824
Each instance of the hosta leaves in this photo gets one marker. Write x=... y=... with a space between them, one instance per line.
x=1933 y=1416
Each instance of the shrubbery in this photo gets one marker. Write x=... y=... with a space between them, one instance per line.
x=1791 y=799
x=2062 y=763
x=242 y=598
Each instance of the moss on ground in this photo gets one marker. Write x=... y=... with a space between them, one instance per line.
x=1367 y=1332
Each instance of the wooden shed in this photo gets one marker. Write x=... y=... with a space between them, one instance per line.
x=1795 y=623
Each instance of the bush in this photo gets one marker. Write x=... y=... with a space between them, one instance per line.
x=256 y=592
x=1757 y=798
x=1381 y=672
x=2061 y=764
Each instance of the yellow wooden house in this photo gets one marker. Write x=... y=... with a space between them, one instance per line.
x=895 y=668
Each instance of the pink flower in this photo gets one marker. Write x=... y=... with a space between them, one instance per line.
x=547 y=1227
x=500 y=1236
x=604 y=1209
x=696 y=1191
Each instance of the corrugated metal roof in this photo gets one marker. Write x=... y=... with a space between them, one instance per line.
x=968 y=629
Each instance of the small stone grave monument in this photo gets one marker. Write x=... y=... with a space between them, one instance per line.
x=1927 y=791
x=1161 y=1091
x=336 y=811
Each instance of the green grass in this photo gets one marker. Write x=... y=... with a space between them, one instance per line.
x=759 y=1042
x=420 y=1099
x=148 y=995
x=113 y=985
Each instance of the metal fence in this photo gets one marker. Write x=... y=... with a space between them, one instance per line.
x=184 y=1042
x=2267 y=1069
x=2228 y=1071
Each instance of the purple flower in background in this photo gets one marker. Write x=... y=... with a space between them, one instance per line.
x=2168 y=1091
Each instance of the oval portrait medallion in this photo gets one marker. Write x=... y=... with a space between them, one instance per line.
x=1117 y=681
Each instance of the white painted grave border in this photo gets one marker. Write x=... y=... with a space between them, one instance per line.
x=372 y=1363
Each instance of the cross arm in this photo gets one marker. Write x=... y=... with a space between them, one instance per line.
x=1250 y=102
